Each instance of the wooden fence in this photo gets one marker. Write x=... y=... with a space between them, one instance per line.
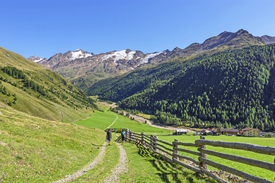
x=170 y=152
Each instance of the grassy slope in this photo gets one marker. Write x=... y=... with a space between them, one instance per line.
x=239 y=166
x=33 y=149
x=51 y=107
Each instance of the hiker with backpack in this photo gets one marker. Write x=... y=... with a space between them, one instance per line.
x=123 y=136
x=109 y=136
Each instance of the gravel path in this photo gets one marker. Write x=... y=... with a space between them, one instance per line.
x=86 y=168
x=120 y=168
x=112 y=123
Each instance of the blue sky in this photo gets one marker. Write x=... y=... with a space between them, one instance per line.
x=47 y=27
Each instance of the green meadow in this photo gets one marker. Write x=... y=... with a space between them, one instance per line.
x=102 y=120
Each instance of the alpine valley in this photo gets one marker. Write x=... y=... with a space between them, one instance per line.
x=227 y=80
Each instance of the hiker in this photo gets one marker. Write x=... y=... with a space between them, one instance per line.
x=123 y=136
x=109 y=136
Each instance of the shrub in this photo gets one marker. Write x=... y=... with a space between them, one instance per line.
x=9 y=103
x=19 y=157
x=268 y=135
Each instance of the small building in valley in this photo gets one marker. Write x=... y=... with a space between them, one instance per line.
x=250 y=132
x=225 y=131
x=180 y=132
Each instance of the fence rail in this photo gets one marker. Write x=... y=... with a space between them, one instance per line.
x=158 y=146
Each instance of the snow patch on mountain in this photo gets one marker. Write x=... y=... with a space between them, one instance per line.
x=38 y=60
x=119 y=55
x=78 y=53
x=146 y=59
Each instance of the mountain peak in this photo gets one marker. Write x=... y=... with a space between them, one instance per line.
x=242 y=31
x=36 y=58
x=268 y=39
x=79 y=53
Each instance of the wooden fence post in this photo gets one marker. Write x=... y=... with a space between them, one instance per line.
x=175 y=151
x=130 y=135
x=142 y=138
x=155 y=145
x=127 y=134
x=152 y=140
x=203 y=155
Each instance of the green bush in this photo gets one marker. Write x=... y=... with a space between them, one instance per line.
x=268 y=135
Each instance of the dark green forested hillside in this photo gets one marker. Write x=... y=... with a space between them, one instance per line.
x=230 y=88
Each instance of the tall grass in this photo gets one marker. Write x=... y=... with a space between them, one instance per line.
x=33 y=149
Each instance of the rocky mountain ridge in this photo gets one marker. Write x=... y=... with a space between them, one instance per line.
x=85 y=68
x=36 y=59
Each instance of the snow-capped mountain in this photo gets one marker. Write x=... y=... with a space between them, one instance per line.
x=78 y=53
x=36 y=59
x=79 y=64
x=84 y=68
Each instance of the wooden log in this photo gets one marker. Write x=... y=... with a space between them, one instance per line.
x=235 y=145
x=130 y=134
x=165 y=157
x=165 y=151
x=147 y=143
x=152 y=141
x=187 y=166
x=164 y=147
x=137 y=139
x=203 y=155
x=136 y=133
x=188 y=158
x=213 y=176
x=130 y=139
x=188 y=151
x=257 y=163
x=142 y=138
x=186 y=144
x=236 y=172
x=167 y=143
x=147 y=139
x=146 y=136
